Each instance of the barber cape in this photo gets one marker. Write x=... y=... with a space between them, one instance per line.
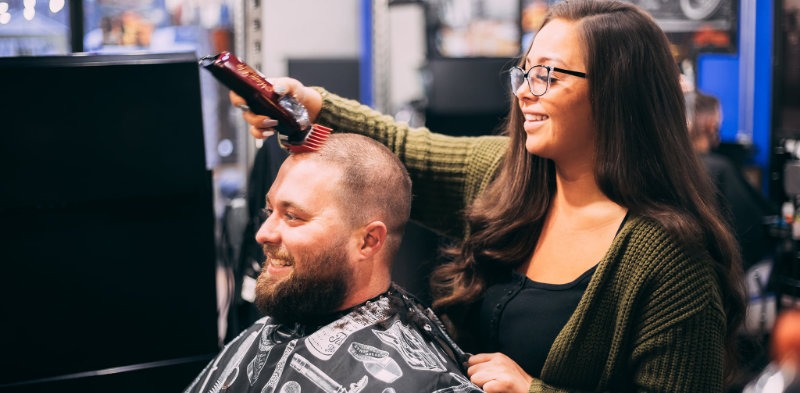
x=388 y=344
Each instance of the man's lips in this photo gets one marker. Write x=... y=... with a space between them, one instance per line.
x=279 y=262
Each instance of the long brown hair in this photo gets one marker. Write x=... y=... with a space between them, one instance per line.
x=641 y=127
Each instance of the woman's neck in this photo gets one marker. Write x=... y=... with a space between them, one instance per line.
x=578 y=198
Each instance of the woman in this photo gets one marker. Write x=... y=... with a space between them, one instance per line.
x=593 y=256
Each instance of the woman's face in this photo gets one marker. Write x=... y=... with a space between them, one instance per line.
x=559 y=124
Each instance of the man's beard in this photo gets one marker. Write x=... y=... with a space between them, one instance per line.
x=308 y=294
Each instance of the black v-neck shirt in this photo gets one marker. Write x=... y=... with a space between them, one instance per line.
x=521 y=317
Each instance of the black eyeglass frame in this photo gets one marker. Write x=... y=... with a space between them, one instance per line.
x=550 y=69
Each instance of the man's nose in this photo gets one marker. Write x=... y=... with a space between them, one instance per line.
x=267 y=232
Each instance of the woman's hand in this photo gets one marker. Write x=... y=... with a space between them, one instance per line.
x=496 y=373
x=264 y=126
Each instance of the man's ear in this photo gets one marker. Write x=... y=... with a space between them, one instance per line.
x=373 y=238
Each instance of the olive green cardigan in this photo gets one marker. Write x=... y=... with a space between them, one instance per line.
x=651 y=319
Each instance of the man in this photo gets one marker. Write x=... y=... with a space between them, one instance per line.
x=334 y=321
x=746 y=205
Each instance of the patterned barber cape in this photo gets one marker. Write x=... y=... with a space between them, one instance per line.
x=386 y=345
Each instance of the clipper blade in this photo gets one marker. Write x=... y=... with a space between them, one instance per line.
x=313 y=141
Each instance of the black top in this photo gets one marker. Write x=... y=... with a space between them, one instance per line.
x=529 y=314
x=745 y=207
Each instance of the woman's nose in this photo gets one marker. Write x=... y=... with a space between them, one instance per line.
x=524 y=91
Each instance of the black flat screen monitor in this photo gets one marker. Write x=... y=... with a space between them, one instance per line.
x=467 y=96
x=339 y=75
x=107 y=257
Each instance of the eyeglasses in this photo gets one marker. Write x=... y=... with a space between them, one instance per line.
x=538 y=77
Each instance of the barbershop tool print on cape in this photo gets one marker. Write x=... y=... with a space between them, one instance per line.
x=379 y=346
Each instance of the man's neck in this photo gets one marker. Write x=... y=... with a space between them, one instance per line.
x=363 y=294
x=310 y=326
x=376 y=284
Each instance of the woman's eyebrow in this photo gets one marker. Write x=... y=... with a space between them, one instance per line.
x=544 y=59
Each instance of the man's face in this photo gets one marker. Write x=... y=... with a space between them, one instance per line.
x=306 y=240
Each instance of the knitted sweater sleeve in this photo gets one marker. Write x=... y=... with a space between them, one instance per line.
x=680 y=331
x=447 y=172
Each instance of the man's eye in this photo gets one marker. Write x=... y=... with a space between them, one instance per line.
x=263 y=214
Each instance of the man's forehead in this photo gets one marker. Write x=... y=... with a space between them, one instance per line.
x=303 y=178
x=307 y=168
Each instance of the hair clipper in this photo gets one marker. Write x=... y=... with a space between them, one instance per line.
x=295 y=131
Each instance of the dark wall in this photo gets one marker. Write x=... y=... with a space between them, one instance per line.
x=107 y=256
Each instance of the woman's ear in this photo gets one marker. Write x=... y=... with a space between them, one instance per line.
x=373 y=238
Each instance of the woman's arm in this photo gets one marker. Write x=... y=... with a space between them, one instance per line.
x=447 y=172
x=680 y=342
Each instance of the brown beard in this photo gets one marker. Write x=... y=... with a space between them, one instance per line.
x=308 y=294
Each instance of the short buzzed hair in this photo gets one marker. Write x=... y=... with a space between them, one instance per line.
x=706 y=108
x=374 y=184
